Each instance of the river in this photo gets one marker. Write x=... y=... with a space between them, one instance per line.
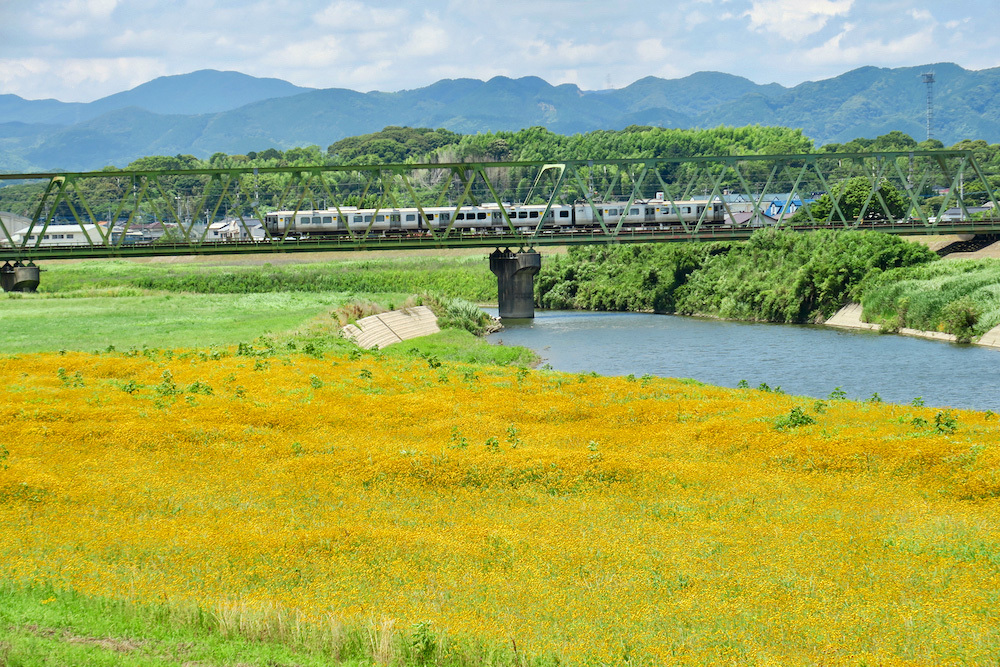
x=802 y=360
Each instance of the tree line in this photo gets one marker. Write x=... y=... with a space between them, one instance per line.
x=430 y=146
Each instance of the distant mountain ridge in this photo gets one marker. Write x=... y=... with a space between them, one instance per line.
x=208 y=111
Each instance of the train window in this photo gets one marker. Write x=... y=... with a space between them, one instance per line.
x=446 y=216
x=316 y=220
x=522 y=214
x=410 y=217
x=563 y=214
x=460 y=216
x=687 y=209
x=357 y=218
x=430 y=216
x=379 y=218
x=533 y=214
x=481 y=216
x=650 y=211
x=368 y=218
x=327 y=220
x=633 y=211
x=394 y=217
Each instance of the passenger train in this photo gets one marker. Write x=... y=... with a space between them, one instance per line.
x=650 y=214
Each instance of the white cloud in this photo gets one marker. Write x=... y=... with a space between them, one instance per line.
x=847 y=50
x=795 y=19
x=651 y=50
x=356 y=16
x=695 y=18
x=309 y=53
x=34 y=78
x=429 y=40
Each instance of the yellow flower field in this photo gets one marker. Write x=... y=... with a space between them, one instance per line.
x=596 y=520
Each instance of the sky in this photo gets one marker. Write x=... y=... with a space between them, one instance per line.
x=82 y=50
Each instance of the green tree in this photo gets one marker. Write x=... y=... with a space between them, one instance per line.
x=853 y=200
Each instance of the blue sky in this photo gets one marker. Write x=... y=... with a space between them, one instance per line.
x=81 y=50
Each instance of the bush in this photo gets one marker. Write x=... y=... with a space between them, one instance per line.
x=459 y=314
x=960 y=318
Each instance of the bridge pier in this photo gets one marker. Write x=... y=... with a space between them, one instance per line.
x=515 y=272
x=18 y=277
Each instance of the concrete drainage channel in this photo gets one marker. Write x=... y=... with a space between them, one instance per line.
x=392 y=327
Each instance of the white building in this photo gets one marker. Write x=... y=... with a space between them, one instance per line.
x=72 y=234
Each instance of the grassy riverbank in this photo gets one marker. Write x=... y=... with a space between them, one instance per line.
x=405 y=511
x=960 y=297
x=210 y=303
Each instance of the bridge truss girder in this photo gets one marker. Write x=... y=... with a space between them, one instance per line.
x=176 y=200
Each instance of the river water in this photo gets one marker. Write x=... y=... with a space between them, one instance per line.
x=802 y=360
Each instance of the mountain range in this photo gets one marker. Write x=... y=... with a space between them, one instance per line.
x=208 y=111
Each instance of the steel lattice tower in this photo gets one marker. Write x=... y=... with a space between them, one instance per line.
x=929 y=80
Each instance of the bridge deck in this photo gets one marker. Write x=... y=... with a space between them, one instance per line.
x=929 y=188
x=414 y=242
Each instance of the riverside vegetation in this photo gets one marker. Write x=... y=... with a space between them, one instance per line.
x=783 y=276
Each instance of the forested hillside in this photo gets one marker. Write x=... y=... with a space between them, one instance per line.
x=205 y=112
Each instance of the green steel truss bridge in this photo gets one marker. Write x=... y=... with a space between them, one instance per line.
x=146 y=213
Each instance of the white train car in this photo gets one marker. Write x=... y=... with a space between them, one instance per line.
x=485 y=218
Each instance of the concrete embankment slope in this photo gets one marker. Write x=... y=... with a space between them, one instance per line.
x=393 y=327
x=849 y=317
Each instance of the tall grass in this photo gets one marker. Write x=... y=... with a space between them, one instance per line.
x=960 y=297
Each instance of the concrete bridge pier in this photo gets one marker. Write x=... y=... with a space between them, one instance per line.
x=515 y=272
x=17 y=277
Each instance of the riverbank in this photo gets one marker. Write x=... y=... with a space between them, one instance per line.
x=849 y=317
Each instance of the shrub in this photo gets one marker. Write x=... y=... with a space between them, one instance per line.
x=960 y=318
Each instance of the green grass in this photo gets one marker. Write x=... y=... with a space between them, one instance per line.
x=90 y=306
x=462 y=346
x=301 y=321
x=33 y=323
x=43 y=626
x=468 y=277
